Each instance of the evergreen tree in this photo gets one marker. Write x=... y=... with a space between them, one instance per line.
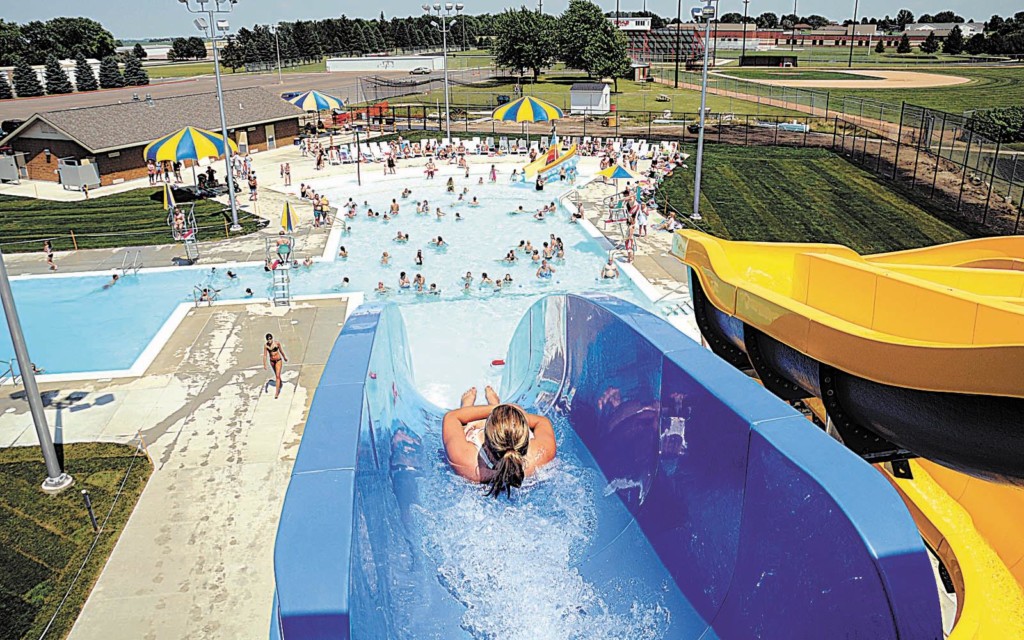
x=930 y=44
x=231 y=55
x=6 y=93
x=26 y=82
x=57 y=80
x=402 y=38
x=134 y=74
x=976 y=45
x=904 y=45
x=139 y=51
x=358 y=42
x=880 y=47
x=110 y=74
x=954 y=44
x=85 y=79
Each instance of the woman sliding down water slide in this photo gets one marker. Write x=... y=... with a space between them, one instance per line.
x=496 y=444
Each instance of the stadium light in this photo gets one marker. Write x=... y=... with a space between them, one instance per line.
x=445 y=27
x=215 y=7
x=708 y=12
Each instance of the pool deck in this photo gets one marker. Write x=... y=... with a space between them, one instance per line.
x=196 y=558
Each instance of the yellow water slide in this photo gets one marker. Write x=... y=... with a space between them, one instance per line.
x=551 y=159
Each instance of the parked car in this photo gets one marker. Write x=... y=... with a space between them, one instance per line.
x=420 y=71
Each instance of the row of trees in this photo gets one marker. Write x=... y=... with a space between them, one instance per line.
x=63 y=38
x=56 y=81
x=193 y=48
x=582 y=37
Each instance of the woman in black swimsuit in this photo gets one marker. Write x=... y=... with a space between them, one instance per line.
x=273 y=350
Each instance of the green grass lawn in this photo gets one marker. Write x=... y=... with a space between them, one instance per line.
x=44 y=539
x=989 y=87
x=751 y=73
x=130 y=219
x=777 y=194
x=632 y=96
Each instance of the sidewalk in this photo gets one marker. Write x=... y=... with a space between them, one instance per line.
x=196 y=558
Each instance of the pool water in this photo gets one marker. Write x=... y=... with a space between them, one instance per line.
x=73 y=324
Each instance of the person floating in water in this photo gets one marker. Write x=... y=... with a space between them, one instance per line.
x=112 y=282
x=496 y=444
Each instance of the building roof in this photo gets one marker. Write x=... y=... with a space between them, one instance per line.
x=130 y=124
x=941 y=26
x=588 y=86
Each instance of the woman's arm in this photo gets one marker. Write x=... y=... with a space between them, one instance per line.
x=264 y=356
x=462 y=454
x=543 y=447
x=281 y=350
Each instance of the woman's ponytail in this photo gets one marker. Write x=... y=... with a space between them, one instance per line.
x=507 y=438
x=508 y=472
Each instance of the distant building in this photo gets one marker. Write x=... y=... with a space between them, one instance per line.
x=67 y=65
x=590 y=98
x=112 y=136
x=942 y=29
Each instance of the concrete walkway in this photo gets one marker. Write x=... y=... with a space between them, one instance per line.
x=196 y=558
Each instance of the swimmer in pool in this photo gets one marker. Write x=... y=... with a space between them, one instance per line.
x=406 y=193
x=458 y=217
x=528 y=247
x=508 y=279
x=510 y=257
x=343 y=253
x=385 y=258
x=439 y=242
x=434 y=290
x=419 y=257
x=474 y=202
x=536 y=256
x=403 y=282
x=517 y=211
x=468 y=277
x=485 y=281
x=545 y=270
x=610 y=270
x=248 y=293
x=540 y=214
x=112 y=282
x=344 y=283
x=381 y=289
x=451 y=185
x=419 y=281
x=440 y=214
x=496 y=444
x=548 y=251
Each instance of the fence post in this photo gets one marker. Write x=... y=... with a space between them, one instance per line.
x=835 y=132
x=992 y=178
x=899 y=140
x=938 y=156
x=746 y=130
x=828 y=97
x=73 y=240
x=963 y=170
x=1020 y=209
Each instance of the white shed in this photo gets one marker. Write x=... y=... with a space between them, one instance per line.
x=590 y=98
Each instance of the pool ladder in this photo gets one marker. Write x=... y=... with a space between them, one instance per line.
x=281 y=292
x=135 y=265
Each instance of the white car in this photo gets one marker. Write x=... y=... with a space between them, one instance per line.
x=420 y=71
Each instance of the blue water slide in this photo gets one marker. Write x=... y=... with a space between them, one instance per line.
x=742 y=518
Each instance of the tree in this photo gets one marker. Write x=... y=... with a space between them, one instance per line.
x=995 y=23
x=816 y=21
x=110 y=74
x=524 y=39
x=606 y=55
x=231 y=55
x=954 y=43
x=134 y=74
x=767 y=20
x=139 y=51
x=880 y=47
x=930 y=44
x=976 y=45
x=57 y=80
x=903 y=18
x=731 y=18
x=12 y=43
x=179 y=50
x=196 y=48
x=6 y=93
x=904 y=45
x=26 y=82
x=946 y=16
x=576 y=26
x=359 y=43
x=85 y=79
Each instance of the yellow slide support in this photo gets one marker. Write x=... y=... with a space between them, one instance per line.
x=975 y=528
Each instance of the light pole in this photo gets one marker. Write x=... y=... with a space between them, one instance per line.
x=707 y=12
x=792 y=44
x=679 y=28
x=853 y=31
x=277 y=44
x=744 y=52
x=444 y=13
x=56 y=480
x=211 y=8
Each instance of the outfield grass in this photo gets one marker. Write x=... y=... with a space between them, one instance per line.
x=44 y=539
x=128 y=219
x=776 y=194
x=751 y=73
x=632 y=96
x=989 y=87
x=190 y=69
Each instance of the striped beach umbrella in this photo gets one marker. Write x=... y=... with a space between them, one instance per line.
x=288 y=219
x=316 y=101
x=527 y=109
x=189 y=143
x=619 y=172
x=169 y=197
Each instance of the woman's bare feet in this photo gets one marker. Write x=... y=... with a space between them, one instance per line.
x=491 y=395
x=469 y=397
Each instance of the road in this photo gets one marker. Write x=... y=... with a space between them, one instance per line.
x=344 y=85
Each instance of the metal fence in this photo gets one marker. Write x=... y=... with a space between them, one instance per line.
x=934 y=158
x=811 y=101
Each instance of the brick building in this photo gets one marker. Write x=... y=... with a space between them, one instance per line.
x=113 y=136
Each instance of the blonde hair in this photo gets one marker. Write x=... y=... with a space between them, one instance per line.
x=507 y=438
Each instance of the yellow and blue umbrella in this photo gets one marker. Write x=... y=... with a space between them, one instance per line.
x=169 y=197
x=316 y=101
x=527 y=109
x=288 y=218
x=619 y=172
x=189 y=143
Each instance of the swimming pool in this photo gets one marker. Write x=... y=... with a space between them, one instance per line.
x=74 y=325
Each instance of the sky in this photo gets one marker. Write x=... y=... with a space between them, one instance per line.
x=126 y=18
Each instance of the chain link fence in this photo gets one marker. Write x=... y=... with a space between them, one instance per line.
x=810 y=101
